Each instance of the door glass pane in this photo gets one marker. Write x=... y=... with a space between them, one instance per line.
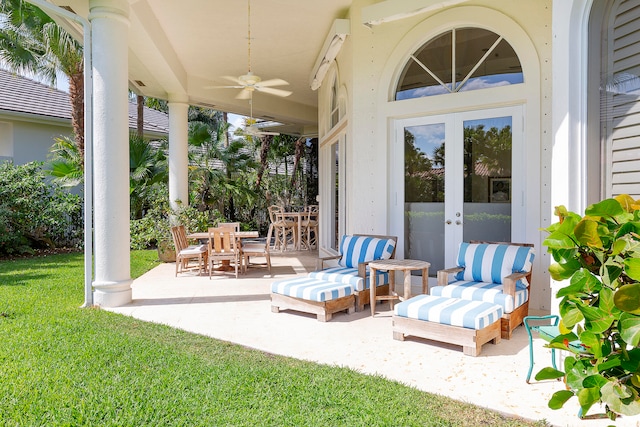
x=424 y=193
x=487 y=179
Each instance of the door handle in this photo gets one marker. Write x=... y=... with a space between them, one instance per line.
x=458 y=222
x=448 y=222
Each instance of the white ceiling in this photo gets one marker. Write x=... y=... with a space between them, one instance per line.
x=181 y=46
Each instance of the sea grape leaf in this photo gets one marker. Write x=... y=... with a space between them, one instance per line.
x=629 y=326
x=559 y=398
x=627 y=298
x=587 y=233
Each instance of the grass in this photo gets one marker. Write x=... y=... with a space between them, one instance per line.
x=64 y=365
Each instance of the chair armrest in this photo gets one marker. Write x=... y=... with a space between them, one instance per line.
x=443 y=275
x=362 y=268
x=320 y=262
x=509 y=283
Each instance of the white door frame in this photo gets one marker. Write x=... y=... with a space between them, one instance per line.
x=454 y=132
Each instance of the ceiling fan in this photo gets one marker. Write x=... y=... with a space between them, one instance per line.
x=250 y=82
x=252 y=128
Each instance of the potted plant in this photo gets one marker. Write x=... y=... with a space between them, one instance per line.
x=599 y=255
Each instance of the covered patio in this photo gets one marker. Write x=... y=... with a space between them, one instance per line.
x=239 y=311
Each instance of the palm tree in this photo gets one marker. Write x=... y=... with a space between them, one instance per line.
x=31 y=42
x=65 y=163
x=147 y=166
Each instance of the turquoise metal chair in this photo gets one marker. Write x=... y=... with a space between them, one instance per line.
x=547 y=333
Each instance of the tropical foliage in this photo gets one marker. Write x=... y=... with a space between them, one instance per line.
x=35 y=213
x=599 y=255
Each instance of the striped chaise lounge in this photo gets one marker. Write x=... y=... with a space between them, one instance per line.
x=499 y=273
x=356 y=252
x=340 y=288
x=315 y=296
x=452 y=320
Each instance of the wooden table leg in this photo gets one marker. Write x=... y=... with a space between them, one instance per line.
x=425 y=281
x=407 y=284
x=373 y=282
x=392 y=287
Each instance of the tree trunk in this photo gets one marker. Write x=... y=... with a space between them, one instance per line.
x=296 y=160
x=140 y=118
x=264 y=152
x=76 y=96
x=225 y=118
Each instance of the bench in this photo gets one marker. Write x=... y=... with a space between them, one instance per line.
x=309 y=295
x=467 y=323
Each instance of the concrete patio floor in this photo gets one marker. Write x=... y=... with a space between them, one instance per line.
x=239 y=311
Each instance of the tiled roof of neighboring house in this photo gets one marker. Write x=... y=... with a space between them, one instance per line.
x=25 y=96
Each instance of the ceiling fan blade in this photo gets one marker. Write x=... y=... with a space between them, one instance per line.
x=273 y=82
x=244 y=94
x=223 y=87
x=272 y=91
x=234 y=79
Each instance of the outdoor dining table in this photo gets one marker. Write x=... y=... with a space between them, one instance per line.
x=298 y=217
x=203 y=236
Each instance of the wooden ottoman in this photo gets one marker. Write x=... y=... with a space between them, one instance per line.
x=455 y=321
x=309 y=295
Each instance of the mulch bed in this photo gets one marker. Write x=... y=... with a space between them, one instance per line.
x=40 y=253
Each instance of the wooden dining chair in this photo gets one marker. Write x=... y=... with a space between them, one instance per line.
x=284 y=230
x=309 y=227
x=223 y=247
x=234 y=225
x=257 y=249
x=186 y=252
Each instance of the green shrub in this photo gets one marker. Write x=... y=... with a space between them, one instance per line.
x=34 y=212
x=155 y=225
x=599 y=253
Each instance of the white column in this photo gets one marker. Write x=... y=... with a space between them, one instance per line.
x=569 y=69
x=178 y=151
x=110 y=28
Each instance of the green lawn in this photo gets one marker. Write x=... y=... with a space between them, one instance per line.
x=64 y=365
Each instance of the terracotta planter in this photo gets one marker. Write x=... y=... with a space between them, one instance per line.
x=166 y=251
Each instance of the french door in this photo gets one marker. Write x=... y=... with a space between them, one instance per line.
x=455 y=181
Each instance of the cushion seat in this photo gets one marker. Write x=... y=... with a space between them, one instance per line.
x=311 y=289
x=483 y=291
x=311 y=295
x=349 y=276
x=452 y=320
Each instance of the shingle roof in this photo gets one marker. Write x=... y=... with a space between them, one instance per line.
x=22 y=95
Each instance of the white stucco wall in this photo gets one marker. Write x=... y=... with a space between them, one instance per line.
x=368 y=66
x=25 y=141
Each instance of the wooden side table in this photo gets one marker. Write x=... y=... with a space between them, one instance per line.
x=393 y=265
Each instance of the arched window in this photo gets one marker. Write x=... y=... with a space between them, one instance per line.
x=459 y=60
x=335 y=105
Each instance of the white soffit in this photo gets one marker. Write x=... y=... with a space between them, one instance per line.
x=393 y=10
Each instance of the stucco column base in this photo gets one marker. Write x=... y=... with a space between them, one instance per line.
x=112 y=294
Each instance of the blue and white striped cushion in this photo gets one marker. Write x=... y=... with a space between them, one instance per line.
x=450 y=311
x=311 y=289
x=350 y=276
x=492 y=262
x=483 y=291
x=357 y=249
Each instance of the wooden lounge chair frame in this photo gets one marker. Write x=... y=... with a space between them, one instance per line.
x=512 y=320
x=362 y=297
